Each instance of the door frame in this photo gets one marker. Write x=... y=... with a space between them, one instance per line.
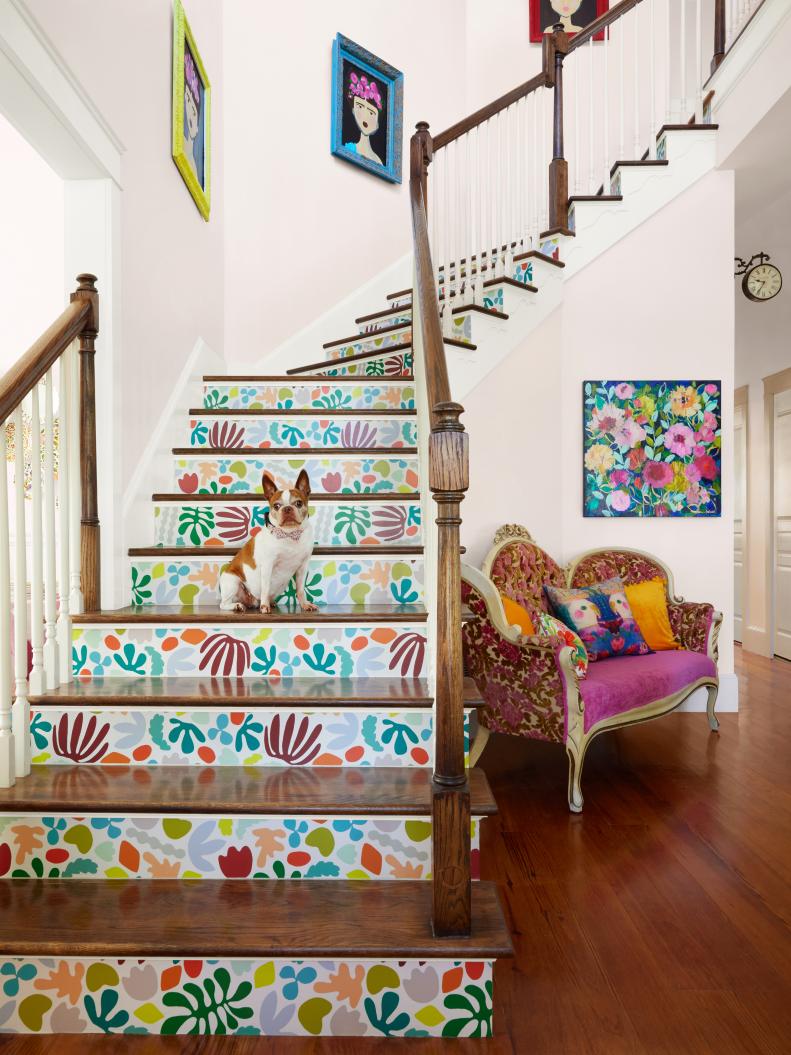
x=773 y=385
x=741 y=398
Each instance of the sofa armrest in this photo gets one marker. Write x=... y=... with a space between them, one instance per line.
x=697 y=626
x=527 y=682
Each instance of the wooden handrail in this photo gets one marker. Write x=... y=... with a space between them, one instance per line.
x=41 y=356
x=600 y=23
x=492 y=108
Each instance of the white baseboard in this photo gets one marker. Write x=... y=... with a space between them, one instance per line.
x=305 y=346
x=727 y=700
x=154 y=471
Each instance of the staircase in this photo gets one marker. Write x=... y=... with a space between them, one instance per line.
x=221 y=823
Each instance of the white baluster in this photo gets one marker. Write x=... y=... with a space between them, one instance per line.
x=668 y=77
x=66 y=438
x=651 y=83
x=532 y=161
x=500 y=196
x=7 y=748
x=605 y=182
x=75 y=512
x=591 y=167
x=621 y=91
x=37 y=680
x=698 y=64
x=576 y=182
x=445 y=161
x=546 y=153
x=636 y=82
x=482 y=192
x=511 y=156
x=50 y=582
x=462 y=264
x=21 y=707
x=682 y=117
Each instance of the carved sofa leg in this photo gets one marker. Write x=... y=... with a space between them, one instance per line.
x=478 y=744
x=575 y=777
x=712 y=691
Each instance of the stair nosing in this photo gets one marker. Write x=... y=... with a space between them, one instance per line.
x=294 y=452
x=322 y=378
x=211 y=615
x=383 y=312
x=331 y=364
x=376 y=551
x=302 y=412
x=258 y=496
x=356 y=338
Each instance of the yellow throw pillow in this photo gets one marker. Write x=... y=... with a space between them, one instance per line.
x=516 y=615
x=648 y=601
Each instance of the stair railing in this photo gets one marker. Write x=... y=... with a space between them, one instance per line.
x=500 y=182
x=54 y=461
x=730 y=18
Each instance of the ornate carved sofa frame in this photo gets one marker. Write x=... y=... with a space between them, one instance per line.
x=528 y=683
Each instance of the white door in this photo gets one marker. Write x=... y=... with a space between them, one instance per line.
x=740 y=497
x=782 y=524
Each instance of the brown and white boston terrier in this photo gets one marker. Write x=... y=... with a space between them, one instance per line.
x=264 y=566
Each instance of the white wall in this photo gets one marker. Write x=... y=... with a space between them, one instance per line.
x=171 y=261
x=31 y=257
x=763 y=347
x=632 y=313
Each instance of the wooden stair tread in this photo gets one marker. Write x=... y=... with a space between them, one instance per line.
x=686 y=128
x=318 y=551
x=301 y=412
x=241 y=919
x=376 y=353
x=382 y=313
x=535 y=254
x=319 y=379
x=595 y=197
x=258 y=790
x=209 y=613
x=634 y=164
x=505 y=281
x=294 y=452
x=335 y=693
x=257 y=496
x=356 y=338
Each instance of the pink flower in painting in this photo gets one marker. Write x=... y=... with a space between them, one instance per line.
x=680 y=439
x=707 y=467
x=692 y=472
x=619 y=476
x=704 y=435
x=698 y=450
x=657 y=474
x=619 y=501
x=696 y=495
x=661 y=510
x=628 y=433
x=624 y=390
x=636 y=458
x=332 y=482
x=607 y=418
x=710 y=389
x=709 y=421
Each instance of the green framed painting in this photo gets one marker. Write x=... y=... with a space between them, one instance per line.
x=652 y=448
x=191 y=113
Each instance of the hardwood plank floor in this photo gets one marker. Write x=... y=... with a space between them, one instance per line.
x=655 y=923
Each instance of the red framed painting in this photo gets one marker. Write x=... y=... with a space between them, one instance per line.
x=573 y=14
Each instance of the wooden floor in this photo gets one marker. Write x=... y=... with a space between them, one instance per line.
x=656 y=923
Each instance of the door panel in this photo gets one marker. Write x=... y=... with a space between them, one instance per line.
x=782 y=524
x=740 y=501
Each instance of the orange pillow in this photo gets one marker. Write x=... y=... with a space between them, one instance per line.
x=516 y=615
x=648 y=601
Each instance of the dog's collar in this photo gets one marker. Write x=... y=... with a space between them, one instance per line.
x=278 y=532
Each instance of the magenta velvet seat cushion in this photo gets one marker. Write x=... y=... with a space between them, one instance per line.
x=614 y=686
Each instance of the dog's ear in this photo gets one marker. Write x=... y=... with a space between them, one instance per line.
x=303 y=483
x=269 y=486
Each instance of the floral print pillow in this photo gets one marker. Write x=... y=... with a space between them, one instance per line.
x=601 y=616
x=553 y=627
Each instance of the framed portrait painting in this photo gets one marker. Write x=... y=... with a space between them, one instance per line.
x=573 y=15
x=367 y=110
x=191 y=113
x=652 y=448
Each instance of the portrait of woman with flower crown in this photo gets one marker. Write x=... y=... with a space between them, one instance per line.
x=367 y=98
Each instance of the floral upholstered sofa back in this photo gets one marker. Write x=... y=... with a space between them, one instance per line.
x=605 y=564
x=520 y=569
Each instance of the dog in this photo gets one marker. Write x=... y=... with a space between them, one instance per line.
x=266 y=564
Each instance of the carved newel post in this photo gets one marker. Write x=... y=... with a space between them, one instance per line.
x=556 y=47
x=90 y=544
x=421 y=151
x=450 y=801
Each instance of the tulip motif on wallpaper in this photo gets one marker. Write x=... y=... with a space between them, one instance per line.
x=652 y=448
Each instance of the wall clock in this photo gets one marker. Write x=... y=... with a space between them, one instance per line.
x=761 y=281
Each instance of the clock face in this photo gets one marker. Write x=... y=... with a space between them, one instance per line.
x=762 y=282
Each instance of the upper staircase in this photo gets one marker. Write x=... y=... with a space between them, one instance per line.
x=161 y=761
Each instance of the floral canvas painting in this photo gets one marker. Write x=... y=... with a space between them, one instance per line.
x=652 y=448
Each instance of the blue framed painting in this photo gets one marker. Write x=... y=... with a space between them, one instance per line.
x=367 y=110
x=652 y=448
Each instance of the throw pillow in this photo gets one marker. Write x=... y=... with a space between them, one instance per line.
x=516 y=615
x=648 y=601
x=550 y=626
x=601 y=616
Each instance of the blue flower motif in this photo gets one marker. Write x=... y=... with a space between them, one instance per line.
x=100 y=662
x=55 y=827
x=297 y=829
x=176 y=572
x=349 y=571
x=354 y=828
x=247 y=395
x=15 y=975
x=219 y=731
x=304 y=976
x=109 y=823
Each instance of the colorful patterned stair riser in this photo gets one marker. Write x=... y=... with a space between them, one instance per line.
x=333 y=997
x=294 y=395
x=336 y=474
x=302 y=431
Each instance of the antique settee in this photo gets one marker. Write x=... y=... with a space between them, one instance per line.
x=528 y=683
